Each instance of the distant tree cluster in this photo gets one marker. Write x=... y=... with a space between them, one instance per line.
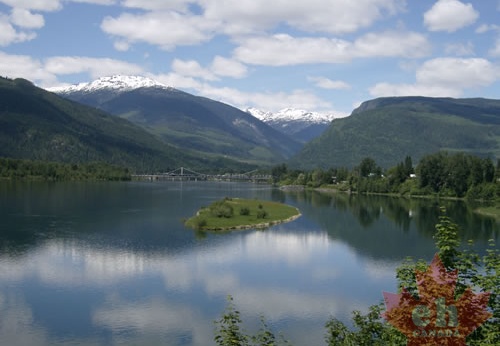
x=443 y=174
x=55 y=171
x=456 y=175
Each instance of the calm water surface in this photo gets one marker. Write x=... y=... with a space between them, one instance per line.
x=112 y=264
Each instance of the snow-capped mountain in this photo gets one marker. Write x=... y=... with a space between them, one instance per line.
x=117 y=83
x=301 y=124
x=190 y=122
x=292 y=114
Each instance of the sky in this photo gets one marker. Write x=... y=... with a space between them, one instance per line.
x=317 y=55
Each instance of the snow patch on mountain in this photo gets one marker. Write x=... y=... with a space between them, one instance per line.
x=297 y=123
x=118 y=83
x=291 y=115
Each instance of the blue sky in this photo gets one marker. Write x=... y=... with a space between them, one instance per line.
x=318 y=55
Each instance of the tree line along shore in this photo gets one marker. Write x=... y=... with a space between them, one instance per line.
x=442 y=174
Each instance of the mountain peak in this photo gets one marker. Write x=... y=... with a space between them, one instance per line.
x=292 y=114
x=117 y=83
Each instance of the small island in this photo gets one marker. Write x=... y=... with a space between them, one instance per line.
x=239 y=213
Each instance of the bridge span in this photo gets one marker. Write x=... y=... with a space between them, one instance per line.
x=186 y=174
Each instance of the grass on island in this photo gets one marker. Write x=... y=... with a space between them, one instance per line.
x=239 y=213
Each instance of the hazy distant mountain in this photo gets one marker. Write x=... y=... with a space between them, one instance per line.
x=297 y=123
x=36 y=124
x=388 y=129
x=189 y=122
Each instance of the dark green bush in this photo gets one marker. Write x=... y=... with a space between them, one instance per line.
x=261 y=214
x=221 y=209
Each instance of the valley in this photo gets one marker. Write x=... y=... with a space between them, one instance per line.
x=148 y=127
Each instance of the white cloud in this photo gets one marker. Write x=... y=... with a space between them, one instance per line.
x=23 y=66
x=283 y=49
x=24 y=18
x=164 y=29
x=457 y=73
x=450 y=15
x=121 y=46
x=392 y=44
x=332 y=16
x=228 y=67
x=38 y=5
x=495 y=51
x=444 y=77
x=388 y=89
x=172 y=23
x=273 y=101
x=191 y=68
x=96 y=67
x=157 y=5
x=487 y=27
x=460 y=49
x=326 y=83
x=95 y=2
x=178 y=81
x=9 y=35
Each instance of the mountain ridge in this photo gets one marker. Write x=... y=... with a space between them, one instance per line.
x=39 y=125
x=193 y=123
x=390 y=128
x=118 y=83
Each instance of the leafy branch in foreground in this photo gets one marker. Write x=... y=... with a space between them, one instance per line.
x=228 y=331
x=481 y=273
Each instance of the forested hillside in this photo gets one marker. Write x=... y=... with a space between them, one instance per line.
x=388 y=129
x=39 y=125
x=198 y=124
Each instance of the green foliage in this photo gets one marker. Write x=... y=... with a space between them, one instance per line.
x=221 y=209
x=228 y=331
x=370 y=330
x=440 y=174
x=39 y=125
x=481 y=273
x=483 y=191
x=278 y=172
x=447 y=240
x=27 y=169
x=388 y=129
x=261 y=214
x=367 y=167
x=220 y=214
x=196 y=124
x=199 y=223
x=405 y=274
x=457 y=174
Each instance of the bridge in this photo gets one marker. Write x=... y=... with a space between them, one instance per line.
x=186 y=174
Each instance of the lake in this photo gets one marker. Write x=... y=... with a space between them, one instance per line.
x=112 y=264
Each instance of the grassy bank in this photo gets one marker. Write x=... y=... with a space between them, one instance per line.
x=239 y=213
